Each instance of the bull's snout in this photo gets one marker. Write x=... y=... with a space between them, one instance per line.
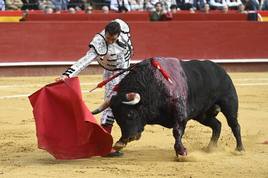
x=123 y=141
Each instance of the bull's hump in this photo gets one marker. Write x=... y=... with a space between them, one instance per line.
x=173 y=67
x=178 y=90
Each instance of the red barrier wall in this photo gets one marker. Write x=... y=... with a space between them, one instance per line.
x=67 y=41
x=216 y=16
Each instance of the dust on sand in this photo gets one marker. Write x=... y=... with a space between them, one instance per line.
x=153 y=154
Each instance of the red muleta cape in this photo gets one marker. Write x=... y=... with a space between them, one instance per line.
x=64 y=125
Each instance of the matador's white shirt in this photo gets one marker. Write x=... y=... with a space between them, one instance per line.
x=112 y=57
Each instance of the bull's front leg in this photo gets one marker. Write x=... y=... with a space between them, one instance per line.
x=178 y=131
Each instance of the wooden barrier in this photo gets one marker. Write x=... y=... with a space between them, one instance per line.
x=68 y=41
x=213 y=16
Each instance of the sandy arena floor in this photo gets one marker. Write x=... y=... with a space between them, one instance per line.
x=153 y=155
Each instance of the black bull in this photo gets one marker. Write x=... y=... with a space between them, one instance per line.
x=199 y=90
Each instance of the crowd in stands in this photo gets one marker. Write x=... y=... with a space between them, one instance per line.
x=157 y=7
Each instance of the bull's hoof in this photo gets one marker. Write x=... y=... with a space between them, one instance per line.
x=238 y=153
x=119 y=145
x=181 y=158
x=240 y=148
x=182 y=152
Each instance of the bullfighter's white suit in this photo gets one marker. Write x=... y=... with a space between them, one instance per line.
x=112 y=57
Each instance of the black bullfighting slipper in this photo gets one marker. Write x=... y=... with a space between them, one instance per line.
x=114 y=154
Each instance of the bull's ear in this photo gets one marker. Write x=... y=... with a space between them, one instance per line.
x=132 y=98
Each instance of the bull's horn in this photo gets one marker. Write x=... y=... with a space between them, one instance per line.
x=102 y=107
x=133 y=98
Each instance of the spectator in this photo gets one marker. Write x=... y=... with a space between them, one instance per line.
x=57 y=11
x=30 y=5
x=88 y=3
x=2 y=5
x=76 y=4
x=167 y=4
x=44 y=4
x=173 y=9
x=192 y=10
x=264 y=4
x=233 y=4
x=251 y=6
x=200 y=5
x=206 y=8
x=105 y=9
x=88 y=10
x=150 y=4
x=136 y=5
x=225 y=9
x=120 y=5
x=72 y=10
x=159 y=14
x=14 y=4
x=97 y=4
x=241 y=9
x=218 y=4
x=106 y=3
x=48 y=10
x=60 y=4
x=185 y=4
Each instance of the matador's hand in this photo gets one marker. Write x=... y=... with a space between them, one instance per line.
x=60 y=78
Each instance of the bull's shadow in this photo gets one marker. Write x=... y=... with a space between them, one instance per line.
x=150 y=154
